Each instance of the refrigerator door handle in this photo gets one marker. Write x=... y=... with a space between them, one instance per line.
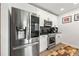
x=24 y=46
x=20 y=47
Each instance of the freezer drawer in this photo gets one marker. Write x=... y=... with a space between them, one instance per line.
x=21 y=51
x=35 y=50
x=26 y=50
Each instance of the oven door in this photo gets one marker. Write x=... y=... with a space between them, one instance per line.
x=51 y=40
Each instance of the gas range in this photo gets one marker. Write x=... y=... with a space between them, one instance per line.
x=51 y=40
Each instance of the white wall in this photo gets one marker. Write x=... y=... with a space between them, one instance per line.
x=70 y=31
x=5 y=22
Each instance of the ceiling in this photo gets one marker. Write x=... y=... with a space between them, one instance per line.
x=55 y=7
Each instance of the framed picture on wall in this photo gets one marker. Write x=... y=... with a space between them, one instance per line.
x=76 y=17
x=67 y=19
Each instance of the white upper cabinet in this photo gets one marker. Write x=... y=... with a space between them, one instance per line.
x=46 y=16
x=41 y=21
x=53 y=18
x=43 y=16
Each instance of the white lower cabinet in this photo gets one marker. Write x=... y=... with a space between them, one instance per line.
x=43 y=42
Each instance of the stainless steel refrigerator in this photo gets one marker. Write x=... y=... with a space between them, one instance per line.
x=24 y=33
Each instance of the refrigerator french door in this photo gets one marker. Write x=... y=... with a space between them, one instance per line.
x=20 y=34
x=19 y=27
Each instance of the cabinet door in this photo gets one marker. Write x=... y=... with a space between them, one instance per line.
x=53 y=19
x=58 y=38
x=43 y=42
x=41 y=21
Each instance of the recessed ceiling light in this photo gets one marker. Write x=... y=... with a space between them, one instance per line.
x=62 y=9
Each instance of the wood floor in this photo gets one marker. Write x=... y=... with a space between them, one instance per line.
x=47 y=52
